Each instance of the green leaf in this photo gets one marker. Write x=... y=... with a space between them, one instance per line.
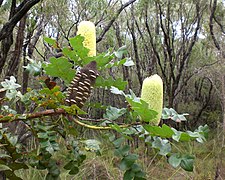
x=51 y=41
x=122 y=151
x=92 y=145
x=136 y=168
x=162 y=144
x=73 y=109
x=77 y=45
x=175 y=160
x=129 y=62
x=72 y=166
x=172 y=114
x=42 y=135
x=102 y=60
x=60 y=67
x=142 y=108
x=4 y=156
x=15 y=166
x=33 y=67
x=117 y=143
x=74 y=170
x=113 y=113
x=180 y=136
x=120 y=52
x=11 y=88
x=4 y=167
x=115 y=90
x=164 y=131
x=115 y=63
x=128 y=175
x=72 y=55
x=140 y=175
x=128 y=161
x=187 y=163
x=11 y=175
x=108 y=83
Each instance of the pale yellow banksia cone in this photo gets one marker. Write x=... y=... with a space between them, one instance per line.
x=152 y=93
x=87 y=30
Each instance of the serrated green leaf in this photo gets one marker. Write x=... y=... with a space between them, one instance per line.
x=69 y=53
x=77 y=45
x=60 y=67
x=164 y=131
x=142 y=109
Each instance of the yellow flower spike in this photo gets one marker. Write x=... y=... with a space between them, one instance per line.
x=152 y=93
x=87 y=30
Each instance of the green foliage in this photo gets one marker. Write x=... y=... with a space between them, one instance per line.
x=170 y=113
x=11 y=88
x=185 y=161
x=128 y=160
x=11 y=154
x=113 y=113
x=60 y=67
x=48 y=131
x=33 y=67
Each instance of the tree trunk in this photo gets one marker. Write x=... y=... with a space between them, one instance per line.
x=15 y=60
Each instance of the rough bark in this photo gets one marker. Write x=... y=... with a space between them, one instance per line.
x=6 y=33
x=15 y=60
x=22 y=9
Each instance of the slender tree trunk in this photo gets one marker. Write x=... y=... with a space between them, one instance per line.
x=15 y=60
x=136 y=54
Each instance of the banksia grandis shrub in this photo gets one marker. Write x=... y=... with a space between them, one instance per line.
x=152 y=93
x=87 y=30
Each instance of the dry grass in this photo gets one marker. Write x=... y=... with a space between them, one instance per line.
x=209 y=163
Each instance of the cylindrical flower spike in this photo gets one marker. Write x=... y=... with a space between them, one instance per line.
x=152 y=93
x=87 y=30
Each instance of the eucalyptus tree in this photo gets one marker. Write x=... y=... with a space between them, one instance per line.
x=169 y=30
